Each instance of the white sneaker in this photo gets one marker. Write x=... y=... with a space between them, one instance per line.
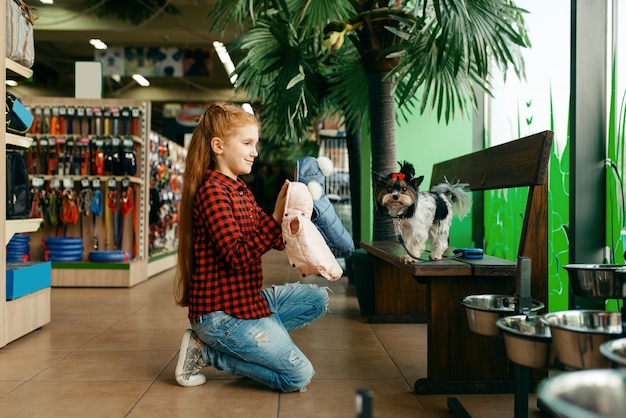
x=190 y=361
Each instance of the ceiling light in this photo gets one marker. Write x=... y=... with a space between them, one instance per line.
x=141 y=80
x=10 y=83
x=227 y=62
x=47 y=1
x=97 y=43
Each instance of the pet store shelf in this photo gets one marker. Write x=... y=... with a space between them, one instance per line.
x=27 y=313
x=112 y=233
x=13 y=68
x=103 y=179
x=16 y=226
x=90 y=274
x=161 y=262
x=18 y=140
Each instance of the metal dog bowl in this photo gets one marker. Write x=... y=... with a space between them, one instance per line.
x=615 y=350
x=585 y=394
x=528 y=341
x=578 y=334
x=597 y=280
x=484 y=310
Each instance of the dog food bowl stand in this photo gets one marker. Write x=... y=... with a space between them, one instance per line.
x=482 y=320
x=588 y=342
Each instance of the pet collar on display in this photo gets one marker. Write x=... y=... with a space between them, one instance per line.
x=116 y=124
x=96 y=203
x=469 y=253
x=126 y=205
x=69 y=209
x=36 y=209
x=112 y=205
x=85 y=197
x=53 y=208
x=70 y=120
x=96 y=209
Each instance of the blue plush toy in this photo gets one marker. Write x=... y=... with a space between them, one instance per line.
x=312 y=172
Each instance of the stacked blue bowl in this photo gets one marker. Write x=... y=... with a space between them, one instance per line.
x=18 y=248
x=63 y=249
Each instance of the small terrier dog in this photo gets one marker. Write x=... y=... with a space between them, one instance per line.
x=420 y=215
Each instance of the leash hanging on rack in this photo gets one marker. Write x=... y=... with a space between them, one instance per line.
x=96 y=209
x=69 y=209
x=85 y=196
x=126 y=205
x=38 y=203
x=111 y=192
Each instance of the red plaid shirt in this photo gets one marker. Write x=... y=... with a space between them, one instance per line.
x=231 y=233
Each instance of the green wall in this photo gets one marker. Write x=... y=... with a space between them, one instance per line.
x=423 y=142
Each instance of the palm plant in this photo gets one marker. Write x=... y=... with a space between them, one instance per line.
x=304 y=60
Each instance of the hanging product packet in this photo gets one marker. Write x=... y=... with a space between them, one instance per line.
x=20 y=19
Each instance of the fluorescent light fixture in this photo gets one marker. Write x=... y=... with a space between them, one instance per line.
x=141 y=80
x=47 y=1
x=227 y=62
x=97 y=43
x=10 y=83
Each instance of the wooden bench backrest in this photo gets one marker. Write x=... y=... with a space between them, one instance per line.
x=523 y=162
x=520 y=163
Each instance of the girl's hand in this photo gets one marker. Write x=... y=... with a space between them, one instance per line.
x=279 y=207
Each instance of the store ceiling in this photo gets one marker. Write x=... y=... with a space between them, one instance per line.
x=62 y=34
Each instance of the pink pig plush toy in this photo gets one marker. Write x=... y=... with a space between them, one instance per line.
x=306 y=248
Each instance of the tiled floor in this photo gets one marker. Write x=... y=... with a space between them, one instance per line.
x=112 y=353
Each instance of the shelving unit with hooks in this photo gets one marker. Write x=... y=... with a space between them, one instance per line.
x=19 y=316
x=107 y=231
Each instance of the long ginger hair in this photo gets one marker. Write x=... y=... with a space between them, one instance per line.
x=219 y=120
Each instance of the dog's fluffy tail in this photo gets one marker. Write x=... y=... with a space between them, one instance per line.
x=458 y=195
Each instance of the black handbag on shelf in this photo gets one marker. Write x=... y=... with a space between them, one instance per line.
x=18 y=187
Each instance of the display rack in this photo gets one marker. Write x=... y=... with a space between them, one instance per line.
x=167 y=163
x=134 y=230
x=19 y=316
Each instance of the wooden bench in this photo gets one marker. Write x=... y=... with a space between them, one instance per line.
x=459 y=360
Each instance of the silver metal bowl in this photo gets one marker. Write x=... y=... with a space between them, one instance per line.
x=528 y=341
x=483 y=311
x=578 y=334
x=615 y=350
x=597 y=280
x=599 y=393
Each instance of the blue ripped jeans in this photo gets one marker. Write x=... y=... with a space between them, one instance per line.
x=262 y=349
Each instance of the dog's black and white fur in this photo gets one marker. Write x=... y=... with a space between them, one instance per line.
x=420 y=215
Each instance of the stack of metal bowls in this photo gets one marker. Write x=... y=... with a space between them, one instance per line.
x=484 y=310
x=528 y=341
x=578 y=334
x=597 y=393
